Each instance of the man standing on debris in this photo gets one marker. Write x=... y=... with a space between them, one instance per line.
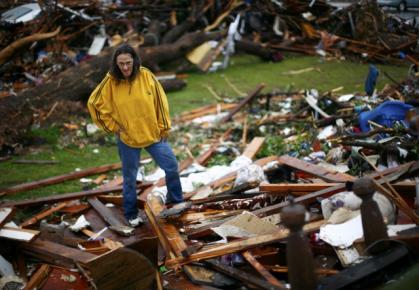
x=131 y=103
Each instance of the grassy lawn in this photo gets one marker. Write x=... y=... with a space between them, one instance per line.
x=248 y=71
x=245 y=72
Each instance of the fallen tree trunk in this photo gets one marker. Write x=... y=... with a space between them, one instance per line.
x=76 y=83
x=8 y=51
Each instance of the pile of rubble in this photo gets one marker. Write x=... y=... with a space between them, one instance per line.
x=288 y=207
x=301 y=188
x=53 y=59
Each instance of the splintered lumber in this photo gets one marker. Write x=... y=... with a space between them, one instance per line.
x=391 y=173
x=243 y=276
x=40 y=275
x=118 y=200
x=18 y=234
x=43 y=214
x=240 y=245
x=54 y=253
x=304 y=188
x=261 y=269
x=68 y=196
x=245 y=101
x=174 y=244
x=6 y=213
x=295 y=188
x=110 y=244
x=231 y=176
x=206 y=110
x=316 y=170
x=59 y=179
x=122 y=268
x=253 y=147
x=115 y=224
x=158 y=231
x=114 y=182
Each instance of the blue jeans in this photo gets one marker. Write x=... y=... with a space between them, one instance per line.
x=165 y=159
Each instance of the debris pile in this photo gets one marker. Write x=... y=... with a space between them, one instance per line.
x=281 y=188
x=299 y=188
x=52 y=57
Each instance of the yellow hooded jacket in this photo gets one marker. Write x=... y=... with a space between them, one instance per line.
x=137 y=110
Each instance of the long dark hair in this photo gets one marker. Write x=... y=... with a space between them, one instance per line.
x=115 y=71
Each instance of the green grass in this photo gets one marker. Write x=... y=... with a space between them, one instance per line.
x=245 y=72
x=69 y=160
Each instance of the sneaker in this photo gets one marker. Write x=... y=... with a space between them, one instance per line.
x=135 y=222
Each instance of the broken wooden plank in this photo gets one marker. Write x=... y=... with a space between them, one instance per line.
x=115 y=224
x=54 y=253
x=58 y=179
x=68 y=196
x=110 y=244
x=239 y=245
x=295 y=188
x=118 y=200
x=243 y=276
x=38 y=277
x=253 y=147
x=392 y=173
x=261 y=269
x=245 y=101
x=18 y=234
x=42 y=215
x=305 y=188
x=165 y=230
x=315 y=170
x=206 y=110
x=6 y=213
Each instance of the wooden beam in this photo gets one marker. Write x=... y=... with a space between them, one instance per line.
x=54 y=253
x=42 y=215
x=253 y=147
x=6 y=213
x=245 y=101
x=306 y=188
x=206 y=110
x=240 y=245
x=115 y=224
x=393 y=174
x=166 y=231
x=38 y=277
x=18 y=234
x=68 y=196
x=243 y=276
x=59 y=179
x=295 y=188
x=261 y=269
x=316 y=170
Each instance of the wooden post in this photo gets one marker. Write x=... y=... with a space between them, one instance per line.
x=299 y=256
x=372 y=220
